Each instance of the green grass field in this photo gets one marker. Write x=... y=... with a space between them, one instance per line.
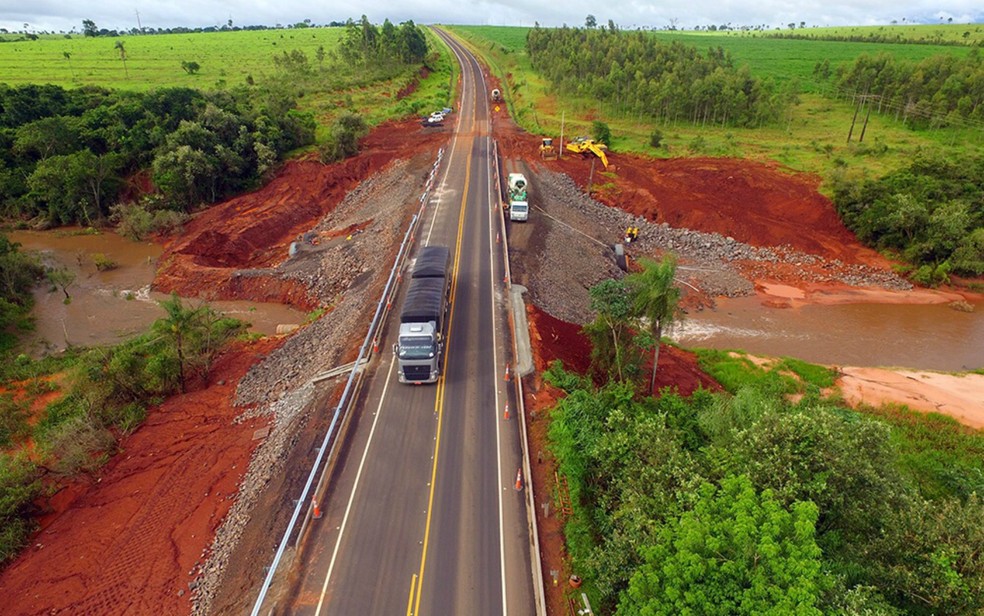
x=812 y=138
x=226 y=58
x=963 y=34
x=785 y=59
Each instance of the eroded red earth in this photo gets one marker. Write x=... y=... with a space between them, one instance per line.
x=127 y=540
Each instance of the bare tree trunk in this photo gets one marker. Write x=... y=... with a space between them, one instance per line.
x=659 y=334
x=618 y=354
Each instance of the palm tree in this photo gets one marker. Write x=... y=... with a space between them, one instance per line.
x=122 y=49
x=180 y=326
x=68 y=56
x=654 y=299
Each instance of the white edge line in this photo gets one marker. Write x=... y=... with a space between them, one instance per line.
x=355 y=486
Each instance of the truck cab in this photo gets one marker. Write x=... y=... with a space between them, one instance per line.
x=519 y=210
x=419 y=352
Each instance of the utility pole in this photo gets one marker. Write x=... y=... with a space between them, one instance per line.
x=560 y=151
x=139 y=27
x=591 y=176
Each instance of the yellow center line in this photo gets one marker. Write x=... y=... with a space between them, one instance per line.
x=413 y=585
x=439 y=400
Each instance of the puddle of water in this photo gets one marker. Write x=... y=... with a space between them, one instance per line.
x=928 y=337
x=109 y=306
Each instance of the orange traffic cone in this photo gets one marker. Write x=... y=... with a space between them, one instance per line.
x=519 y=479
x=317 y=510
x=506 y=414
x=505 y=377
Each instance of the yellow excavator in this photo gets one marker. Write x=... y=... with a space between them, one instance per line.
x=585 y=146
x=547 y=149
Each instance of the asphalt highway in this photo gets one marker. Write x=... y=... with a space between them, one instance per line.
x=423 y=516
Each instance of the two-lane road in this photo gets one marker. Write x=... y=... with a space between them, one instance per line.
x=422 y=516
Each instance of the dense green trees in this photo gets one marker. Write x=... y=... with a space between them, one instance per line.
x=65 y=151
x=632 y=72
x=366 y=44
x=736 y=552
x=805 y=507
x=931 y=212
x=630 y=315
x=940 y=90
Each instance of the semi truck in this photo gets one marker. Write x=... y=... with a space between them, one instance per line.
x=420 y=346
x=519 y=206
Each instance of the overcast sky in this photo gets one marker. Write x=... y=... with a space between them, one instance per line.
x=64 y=15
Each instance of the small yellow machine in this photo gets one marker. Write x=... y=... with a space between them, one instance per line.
x=547 y=149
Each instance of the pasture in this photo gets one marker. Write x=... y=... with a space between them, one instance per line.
x=152 y=61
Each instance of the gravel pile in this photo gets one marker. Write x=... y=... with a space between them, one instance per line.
x=577 y=252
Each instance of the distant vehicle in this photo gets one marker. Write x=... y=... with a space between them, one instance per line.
x=446 y=110
x=434 y=119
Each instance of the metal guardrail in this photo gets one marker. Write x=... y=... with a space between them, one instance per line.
x=369 y=345
x=535 y=562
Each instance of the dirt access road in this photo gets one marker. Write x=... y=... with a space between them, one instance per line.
x=185 y=519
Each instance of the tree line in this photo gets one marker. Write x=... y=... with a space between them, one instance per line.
x=876 y=37
x=751 y=504
x=938 y=91
x=632 y=72
x=64 y=153
x=364 y=43
x=931 y=212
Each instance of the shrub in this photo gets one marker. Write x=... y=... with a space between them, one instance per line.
x=601 y=132
x=19 y=485
x=138 y=221
x=13 y=419
x=343 y=138
x=79 y=444
x=932 y=275
x=103 y=263
x=656 y=138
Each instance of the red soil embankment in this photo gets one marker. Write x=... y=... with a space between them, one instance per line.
x=129 y=543
x=254 y=230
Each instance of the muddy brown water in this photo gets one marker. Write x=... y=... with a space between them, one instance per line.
x=927 y=337
x=109 y=306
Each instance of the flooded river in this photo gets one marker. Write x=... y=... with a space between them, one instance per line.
x=932 y=337
x=107 y=306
